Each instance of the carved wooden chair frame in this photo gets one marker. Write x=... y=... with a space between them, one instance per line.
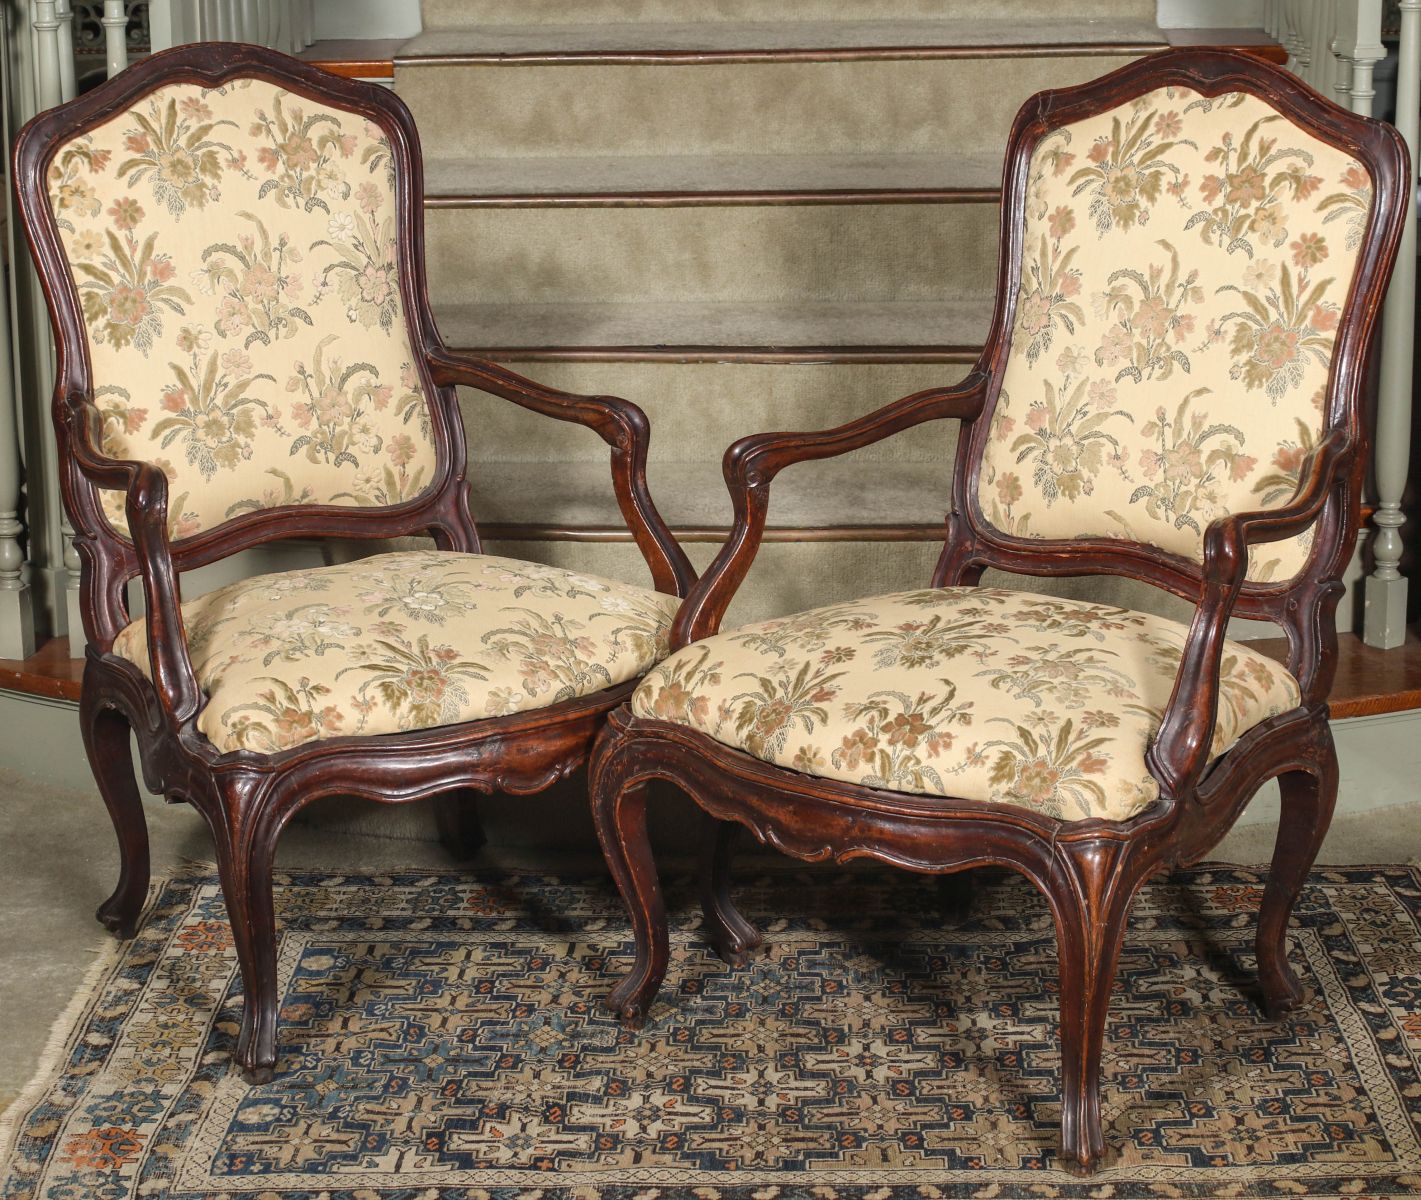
x=245 y=797
x=1088 y=870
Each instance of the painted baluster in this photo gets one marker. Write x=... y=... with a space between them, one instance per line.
x=1365 y=52
x=1321 y=44
x=17 y=622
x=17 y=609
x=1291 y=14
x=115 y=23
x=48 y=89
x=64 y=11
x=1307 y=15
x=1385 y=620
x=1323 y=53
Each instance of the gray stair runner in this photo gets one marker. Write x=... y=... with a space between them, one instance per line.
x=742 y=225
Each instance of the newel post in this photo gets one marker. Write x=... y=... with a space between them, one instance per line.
x=1384 y=625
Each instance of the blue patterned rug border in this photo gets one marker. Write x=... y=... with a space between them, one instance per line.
x=169 y=898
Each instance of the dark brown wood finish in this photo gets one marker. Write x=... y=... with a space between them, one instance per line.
x=1088 y=871
x=247 y=798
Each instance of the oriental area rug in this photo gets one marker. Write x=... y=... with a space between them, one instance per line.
x=440 y=1038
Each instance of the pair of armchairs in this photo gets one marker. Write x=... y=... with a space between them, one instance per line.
x=1194 y=252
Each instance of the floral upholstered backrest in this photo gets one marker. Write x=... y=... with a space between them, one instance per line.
x=1185 y=263
x=234 y=252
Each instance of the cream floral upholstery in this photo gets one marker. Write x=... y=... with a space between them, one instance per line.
x=978 y=693
x=234 y=252
x=1185 y=263
x=404 y=641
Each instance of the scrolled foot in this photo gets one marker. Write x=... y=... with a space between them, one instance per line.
x=255 y=1056
x=1282 y=993
x=630 y=1001
x=732 y=952
x=1082 y=1140
x=120 y=916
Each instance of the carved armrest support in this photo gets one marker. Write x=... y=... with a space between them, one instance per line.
x=145 y=488
x=1181 y=749
x=753 y=462
x=620 y=423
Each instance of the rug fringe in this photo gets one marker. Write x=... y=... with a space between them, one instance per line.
x=61 y=1034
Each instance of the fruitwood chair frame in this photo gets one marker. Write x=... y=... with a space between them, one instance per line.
x=247 y=798
x=1088 y=870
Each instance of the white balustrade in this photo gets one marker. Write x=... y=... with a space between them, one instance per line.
x=1385 y=621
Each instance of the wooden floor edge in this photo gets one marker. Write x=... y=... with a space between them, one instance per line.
x=49 y=672
x=353 y=58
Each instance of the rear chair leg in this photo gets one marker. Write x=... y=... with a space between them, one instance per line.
x=955 y=898
x=106 y=735
x=731 y=935
x=1306 y=813
x=456 y=816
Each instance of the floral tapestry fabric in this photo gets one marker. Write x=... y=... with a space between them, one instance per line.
x=403 y=641
x=234 y=251
x=975 y=693
x=1185 y=263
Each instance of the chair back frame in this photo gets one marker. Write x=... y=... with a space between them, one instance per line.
x=107 y=554
x=1303 y=606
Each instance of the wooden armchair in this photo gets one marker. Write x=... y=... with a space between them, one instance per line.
x=231 y=244
x=1195 y=248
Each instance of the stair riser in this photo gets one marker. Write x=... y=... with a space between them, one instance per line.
x=870 y=107
x=471 y=14
x=806 y=253
x=698 y=409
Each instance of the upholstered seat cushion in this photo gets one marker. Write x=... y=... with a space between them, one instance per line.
x=406 y=641
x=976 y=693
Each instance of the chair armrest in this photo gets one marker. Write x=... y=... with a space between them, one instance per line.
x=1181 y=748
x=752 y=463
x=620 y=423
x=146 y=503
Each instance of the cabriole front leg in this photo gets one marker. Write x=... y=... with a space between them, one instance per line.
x=107 y=738
x=1091 y=904
x=246 y=847
x=619 y=812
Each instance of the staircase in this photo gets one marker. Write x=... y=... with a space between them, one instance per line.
x=741 y=224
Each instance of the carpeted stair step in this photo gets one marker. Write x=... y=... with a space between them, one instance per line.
x=697 y=409
x=790 y=331
x=731 y=254
x=792 y=88
x=818 y=501
x=685 y=179
x=478 y=14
